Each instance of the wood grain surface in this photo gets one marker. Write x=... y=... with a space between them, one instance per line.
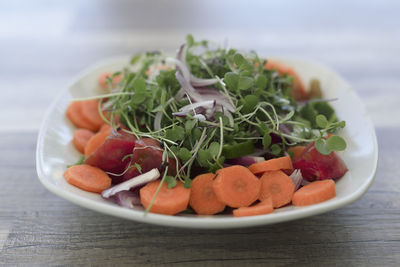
x=44 y=44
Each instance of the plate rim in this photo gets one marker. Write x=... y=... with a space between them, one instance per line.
x=203 y=222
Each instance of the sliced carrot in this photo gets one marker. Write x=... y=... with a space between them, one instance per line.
x=103 y=80
x=90 y=111
x=297 y=151
x=314 y=193
x=88 y=178
x=96 y=141
x=105 y=127
x=202 y=197
x=236 y=186
x=277 y=186
x=74 y=114
x=168 y=201
x=299 y=92
x=81 y=137
x=264 y=207
x=282 y=163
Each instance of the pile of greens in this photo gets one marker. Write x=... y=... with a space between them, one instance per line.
x=266 y=119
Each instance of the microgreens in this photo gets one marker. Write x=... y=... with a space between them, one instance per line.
x=265 y=115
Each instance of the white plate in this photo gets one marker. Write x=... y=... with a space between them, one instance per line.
x=55 y=151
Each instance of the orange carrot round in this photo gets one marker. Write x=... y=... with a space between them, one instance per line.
x=297 y=151
x=81 y=137
x=314 y=193
x=96 y=141
x=264 y=207
x=282 y=163
x=168 y=201
x=202 y=197
x=90 y=111
x=87 y=178
x=74 y=114
x=236 y=186
x=277 y=186
x=299 y=91
x=103 y=80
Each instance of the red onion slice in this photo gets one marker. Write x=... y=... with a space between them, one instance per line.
x=144 y=178
x=127 y=199
x=297 y=178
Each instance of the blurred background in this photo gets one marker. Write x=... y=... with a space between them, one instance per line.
x=44 y=44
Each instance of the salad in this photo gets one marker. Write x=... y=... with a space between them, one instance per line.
x=212 y=130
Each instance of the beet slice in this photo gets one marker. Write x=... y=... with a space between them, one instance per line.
x=148 y=154
x=109 y=155
x=316 y=166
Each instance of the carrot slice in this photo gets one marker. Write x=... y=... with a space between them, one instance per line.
x=277 y=186
x=74 y=114
x=168 y=201
x=88 y=178
x=297 y=151
x=236 y=186
x=90 y=111
x=282 y=163
x=105 y=127
x=96 y=141
x=264 y=207
x=202 y=197
x=81 y=137
x=299 y=91
x=314 y=193
x=103 y=80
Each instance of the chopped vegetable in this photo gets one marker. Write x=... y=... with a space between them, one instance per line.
x=95 y=142
x=142 y=179
x=264 y=207
x=202 y=197
x=90 y=111
x=282 y=163
x=314 y=193
x=277 y=186
x=74 y=114
x=88 y=178
x=236 y=186
x=316 y=166
x=80 y=139
x=168 y=201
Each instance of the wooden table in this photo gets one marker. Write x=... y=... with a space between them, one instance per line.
x=44 y=44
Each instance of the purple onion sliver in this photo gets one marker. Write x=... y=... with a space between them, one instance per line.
x=144 y=178
x=297 y=179
x=127 y=199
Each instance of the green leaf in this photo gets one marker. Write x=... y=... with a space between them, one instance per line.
x=320 y=145
x=204 y=156
x=238 y=150
x=275 y=149
x=231 y=79
x=261 y=82
x=184 y=154
x=177 y=133
x=336 y=143
x=214 y=149
x=171 y=181
x=321 y=121
x=245 y=82
x=266 y=141
x=189 y=40
x=238 y=59
x=249 y=103
x=189 y=125
x=135 y=58
x=196 y=134
x=139 y=85
x=188 y=182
